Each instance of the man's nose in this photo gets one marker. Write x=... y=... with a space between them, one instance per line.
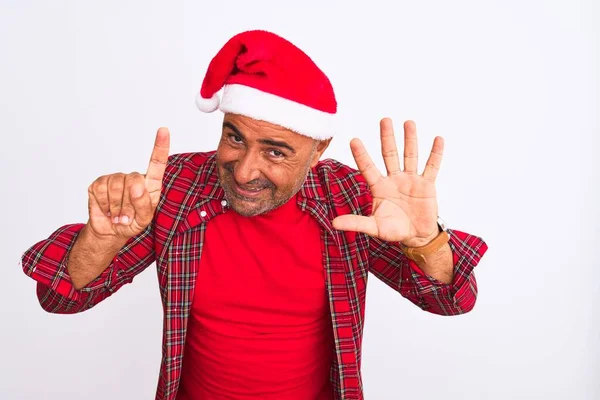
x=247 y=168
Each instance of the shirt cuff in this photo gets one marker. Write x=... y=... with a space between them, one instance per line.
x=46 y=263
x=467 y=251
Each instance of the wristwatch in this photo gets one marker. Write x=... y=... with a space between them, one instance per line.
x=419 y=254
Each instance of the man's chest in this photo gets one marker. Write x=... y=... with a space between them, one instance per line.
x=262 y=270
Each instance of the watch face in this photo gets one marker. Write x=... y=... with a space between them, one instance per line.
x=442 y=224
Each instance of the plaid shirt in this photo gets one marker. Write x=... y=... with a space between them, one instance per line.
x=192 y=196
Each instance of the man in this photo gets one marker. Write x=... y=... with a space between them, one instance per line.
x=262 y=250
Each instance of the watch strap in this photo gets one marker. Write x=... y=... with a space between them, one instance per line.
x=419 y=254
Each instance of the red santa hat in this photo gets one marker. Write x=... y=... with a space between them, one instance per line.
x=265 y=77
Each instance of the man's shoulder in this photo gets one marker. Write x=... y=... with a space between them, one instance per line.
x=190 y=159
x=188 y=163
x=185 y=171
x=333 y=169
x=341 y=182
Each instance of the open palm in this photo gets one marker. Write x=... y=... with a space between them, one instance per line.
x=404 y=202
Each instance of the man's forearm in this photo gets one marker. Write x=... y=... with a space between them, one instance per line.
x=439 y=265
x=89 y=257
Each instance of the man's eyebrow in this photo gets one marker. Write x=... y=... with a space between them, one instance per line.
x=229 y=125
x=270 y=142
x=277 y=143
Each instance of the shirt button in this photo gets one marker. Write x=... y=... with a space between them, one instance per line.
x=203 y=213
x=224 y=203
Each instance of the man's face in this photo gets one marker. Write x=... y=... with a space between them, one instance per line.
x=262 y=165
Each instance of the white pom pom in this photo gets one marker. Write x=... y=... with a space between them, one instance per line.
x=207 y=105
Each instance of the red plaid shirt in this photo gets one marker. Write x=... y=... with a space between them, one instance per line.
x=192 y=196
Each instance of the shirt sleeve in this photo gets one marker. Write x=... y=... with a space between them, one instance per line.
x=46 y=263
x=389 y=264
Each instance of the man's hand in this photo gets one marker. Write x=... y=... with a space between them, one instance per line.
x=122 y=205
x=404 y=203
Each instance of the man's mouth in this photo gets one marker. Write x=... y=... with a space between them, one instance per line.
x=248 y=192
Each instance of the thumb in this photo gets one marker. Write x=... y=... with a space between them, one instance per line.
x=142 y=204
x=356 y=223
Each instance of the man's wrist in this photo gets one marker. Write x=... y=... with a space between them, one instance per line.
x=418 y=242
x=108 y=244
x=420 y=253
x=439 y=265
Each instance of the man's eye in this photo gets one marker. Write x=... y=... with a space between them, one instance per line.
x=235 y=138
x=276 y=153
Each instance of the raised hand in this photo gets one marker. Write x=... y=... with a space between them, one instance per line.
x=404 y=203
x=122 y=205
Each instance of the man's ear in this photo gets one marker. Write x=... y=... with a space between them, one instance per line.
x=319 y=150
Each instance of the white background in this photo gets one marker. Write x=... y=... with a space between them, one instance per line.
x=513 y=86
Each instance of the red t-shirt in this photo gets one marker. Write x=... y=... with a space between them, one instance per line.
x=260 y=326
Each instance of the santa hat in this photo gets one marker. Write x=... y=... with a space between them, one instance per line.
x=265 y=77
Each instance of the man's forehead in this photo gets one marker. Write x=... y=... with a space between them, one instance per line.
x=262 y=129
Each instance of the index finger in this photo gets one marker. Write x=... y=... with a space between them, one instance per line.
x=158 y=160
x=364 y=162
x=435 y=160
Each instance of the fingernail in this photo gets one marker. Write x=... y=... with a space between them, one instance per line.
x=125 y=220
x=116 y=220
